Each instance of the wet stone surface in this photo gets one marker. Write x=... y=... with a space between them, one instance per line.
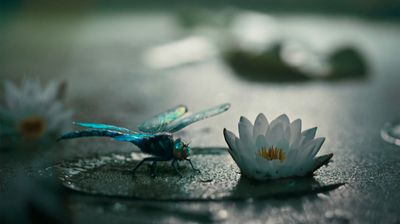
x=218 y=179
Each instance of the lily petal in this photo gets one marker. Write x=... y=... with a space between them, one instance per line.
x=275 y=134
x=50 y=92
x=309 y=148
x=283 y=118
x=261 y=142
x=283 y=144
x=307 y=135
x=246 y=131
x=317 y=147
x=230 y=139
x=11 y=93
x=295 y=131
x=260 y=125
x=320 y=161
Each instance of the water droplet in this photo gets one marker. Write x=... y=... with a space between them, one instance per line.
x=337 y=216
x=391 y=132
x=119 y=207
x=119 y=157
x=221 y=215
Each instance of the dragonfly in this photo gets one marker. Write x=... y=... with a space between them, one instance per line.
x=154 y=136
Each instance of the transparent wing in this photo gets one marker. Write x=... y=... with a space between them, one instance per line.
x=104 y=127
x=160 y=121
x=119 y=136
x=178 y=125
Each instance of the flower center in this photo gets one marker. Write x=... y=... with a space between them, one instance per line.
x=272 y=153
x=31 y=127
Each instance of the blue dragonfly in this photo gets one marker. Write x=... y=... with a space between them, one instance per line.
x=154 y=136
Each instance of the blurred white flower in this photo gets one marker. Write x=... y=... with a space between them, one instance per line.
x=275 y=150
x=32 y=113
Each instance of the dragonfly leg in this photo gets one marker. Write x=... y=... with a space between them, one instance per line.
x=178 y=164
x=191 y=164
x=153 y=165
x=153 y=168
x=174 y=165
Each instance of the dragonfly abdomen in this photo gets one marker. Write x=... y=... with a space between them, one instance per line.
x=90 y=133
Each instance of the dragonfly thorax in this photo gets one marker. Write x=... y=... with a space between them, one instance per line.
x=181 y=150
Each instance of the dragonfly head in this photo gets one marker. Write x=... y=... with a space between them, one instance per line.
x=181 y=149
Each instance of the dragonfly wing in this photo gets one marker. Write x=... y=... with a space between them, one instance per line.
x=103 y=126
x=178 y=125
x=160 y=121
x=135 y=138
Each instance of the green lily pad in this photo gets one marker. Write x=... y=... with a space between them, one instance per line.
x=219 y=179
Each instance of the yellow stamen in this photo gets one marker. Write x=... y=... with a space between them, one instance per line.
x=272 y=153
x=31 y=127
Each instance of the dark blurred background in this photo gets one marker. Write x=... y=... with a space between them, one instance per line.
x=371 y=8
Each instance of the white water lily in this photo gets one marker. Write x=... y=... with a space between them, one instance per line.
x=275 y=150
x=32 y=113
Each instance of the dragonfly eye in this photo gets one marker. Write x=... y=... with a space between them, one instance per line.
x=179 y=144
x=179 y=150
x=187 y=151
